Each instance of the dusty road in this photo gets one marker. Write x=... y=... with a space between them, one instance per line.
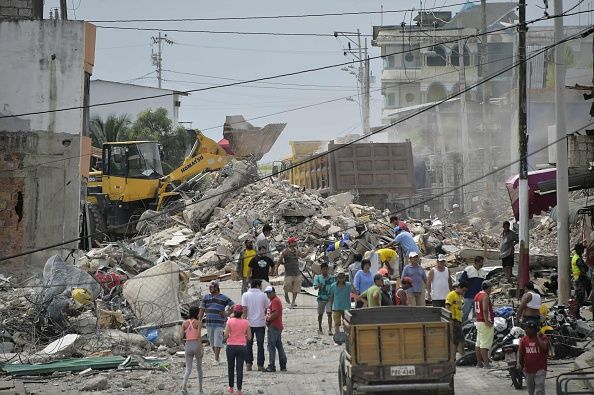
x=312 y=367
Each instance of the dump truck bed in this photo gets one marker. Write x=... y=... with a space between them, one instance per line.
x=399 y=348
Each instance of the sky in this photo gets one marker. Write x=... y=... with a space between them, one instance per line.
x=124 y=56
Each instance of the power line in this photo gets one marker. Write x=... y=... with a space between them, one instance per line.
x=285 y=16
x=584 y=33
x=252 y=80
x=283 y=111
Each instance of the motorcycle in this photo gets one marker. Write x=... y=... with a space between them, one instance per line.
x=511 y=344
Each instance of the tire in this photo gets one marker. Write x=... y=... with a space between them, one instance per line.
x=517 y=378
x=96 y=224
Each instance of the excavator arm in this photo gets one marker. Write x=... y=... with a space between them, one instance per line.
x=206 y=154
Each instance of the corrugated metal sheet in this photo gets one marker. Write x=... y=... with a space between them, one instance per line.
x=536 y=67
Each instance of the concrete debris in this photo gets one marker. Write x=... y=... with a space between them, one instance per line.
x=96 y=384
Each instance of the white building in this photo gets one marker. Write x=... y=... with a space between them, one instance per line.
x=109 y=91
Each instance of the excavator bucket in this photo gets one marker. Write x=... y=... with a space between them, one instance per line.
x=246 y=139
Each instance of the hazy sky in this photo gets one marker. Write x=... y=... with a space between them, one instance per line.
x=125 y=55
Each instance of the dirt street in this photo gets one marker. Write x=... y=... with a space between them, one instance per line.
x=312 y=367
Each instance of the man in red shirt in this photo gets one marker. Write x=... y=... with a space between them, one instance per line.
x=274 y=322
x=483 y=309
x=532 y=358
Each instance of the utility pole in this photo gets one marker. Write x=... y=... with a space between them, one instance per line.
x=485 y=91
x=523 y=265
x=157 y=58
x=363 y=75
x=63 y=10
x=562 y=171
x=463 y=122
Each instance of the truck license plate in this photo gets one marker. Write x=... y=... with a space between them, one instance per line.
x=510 y=357
x=402 y=370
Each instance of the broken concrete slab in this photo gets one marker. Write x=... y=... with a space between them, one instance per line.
x=62 y=346
x=97 y=383
x=340 y=200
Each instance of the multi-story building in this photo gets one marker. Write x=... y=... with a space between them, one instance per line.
x=473 y=133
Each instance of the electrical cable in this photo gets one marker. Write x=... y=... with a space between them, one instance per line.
x=245 y=81
x=286 y=16
x=584 y=33
x=275 y=113
x=275 y=76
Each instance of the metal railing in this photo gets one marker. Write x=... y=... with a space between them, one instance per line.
x=564 y=379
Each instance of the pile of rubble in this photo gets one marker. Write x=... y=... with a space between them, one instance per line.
x=129 y=296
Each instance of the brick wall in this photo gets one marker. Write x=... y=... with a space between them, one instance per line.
x=580 y=151
x=12 y=192
x=21 y=9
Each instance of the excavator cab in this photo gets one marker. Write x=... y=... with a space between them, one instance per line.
x=130 y=177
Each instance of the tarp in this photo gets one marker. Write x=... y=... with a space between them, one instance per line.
x=154 y=294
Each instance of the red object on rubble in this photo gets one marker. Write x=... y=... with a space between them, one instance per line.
x=109 y=279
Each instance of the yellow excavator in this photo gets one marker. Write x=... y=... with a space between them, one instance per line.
x=131 y=179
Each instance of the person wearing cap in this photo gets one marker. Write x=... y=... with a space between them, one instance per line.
x=415 y=294
x=274 y=322
x=401 y=294
x=290 y=259
x=340 y=298
x=373 y=296
x=238 y=334
x=245 y=257
x=386 y=295
x=439 y=282
x=259 y=267
x=255 y=303
x=454 y=303
x=396 y=222
x=214 y=308
x=473 y=275
x=532 y=357
x=322 y=282
x=406 y=244
x=363 y=280
x=484 y=325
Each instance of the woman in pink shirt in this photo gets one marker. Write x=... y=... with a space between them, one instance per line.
x=237 y=333
x=190 y=332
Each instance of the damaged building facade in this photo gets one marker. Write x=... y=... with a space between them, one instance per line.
x=43 y=152
x=472 y=134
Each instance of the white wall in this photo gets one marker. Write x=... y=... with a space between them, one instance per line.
x=41 y=68
x=108 y=91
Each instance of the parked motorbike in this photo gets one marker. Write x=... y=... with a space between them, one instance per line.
x=509 y=349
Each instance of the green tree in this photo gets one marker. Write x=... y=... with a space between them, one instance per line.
x=114 y=128
x=156 y=126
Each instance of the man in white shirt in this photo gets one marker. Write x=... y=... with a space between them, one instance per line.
x=255 y=303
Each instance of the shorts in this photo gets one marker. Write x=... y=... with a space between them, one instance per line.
x=458 y=334
x=484 y=335
x=337 y=316
x=292 y=284
x=324 y=307
x=215 y=335
x=508 y=261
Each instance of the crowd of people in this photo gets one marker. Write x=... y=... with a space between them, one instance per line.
x=389 y=275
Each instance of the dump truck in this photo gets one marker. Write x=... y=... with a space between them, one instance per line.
x=381 y=174
x=393 y=349
x=131 y=179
